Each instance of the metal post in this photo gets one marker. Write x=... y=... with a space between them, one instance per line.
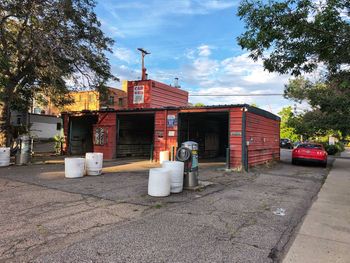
x=244 y=141
x=247 y=160
x=143 y=69
x=172 y=154
x=151 y=154
x=227 y=158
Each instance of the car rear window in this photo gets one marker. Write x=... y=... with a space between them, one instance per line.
x=310 y=146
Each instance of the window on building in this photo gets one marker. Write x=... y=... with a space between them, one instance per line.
x=120 y=102
x=79 y=98
x=91 y=97
x=111 y=100
x=58 y=126
x=19 y=119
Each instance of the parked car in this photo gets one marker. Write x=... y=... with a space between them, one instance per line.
x=296 y=144
x=286 y=143
x=310 y=152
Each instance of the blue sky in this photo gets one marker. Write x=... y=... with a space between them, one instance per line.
x=194 y=40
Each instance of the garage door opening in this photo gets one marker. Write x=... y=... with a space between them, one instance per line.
x=80 y=134
x=135 y=135
x=209 y=130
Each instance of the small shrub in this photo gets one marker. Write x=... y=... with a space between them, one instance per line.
x=340 y=146
x=59 y=140
x=333 y=149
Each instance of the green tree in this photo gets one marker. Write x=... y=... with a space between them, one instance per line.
x=296 y=37
x=199 y=104
x=44 y=44
x=329 y=101
x=287 y=131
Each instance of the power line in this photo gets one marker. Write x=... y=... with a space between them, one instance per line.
x=235 y=95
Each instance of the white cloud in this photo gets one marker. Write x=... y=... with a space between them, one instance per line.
x=217 y=5
x=234 y=75
x=190 y=54
x=183 y=7
x=124 y=72
x=110 y=30
x=135 y=18
x=202 y=70
x=230 y=76
x=251 y=72
x=204 y=50
x=129 y=5
x=125 y=54
x=222 y=100
x=200 y=7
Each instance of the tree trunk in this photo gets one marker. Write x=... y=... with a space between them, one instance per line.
x=5 y=124
x=5 y=116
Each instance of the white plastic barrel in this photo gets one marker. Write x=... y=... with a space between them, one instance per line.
x=176 y=170
x=4 y=157
x=163 y=156
x=93 y=163
x=159 y=182
x=74 y=167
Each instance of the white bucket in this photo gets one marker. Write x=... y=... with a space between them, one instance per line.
x=4 y=157
x=159 y=182
x=176 y=170
x=163 y=156
x=74 y=167
x=93 y=163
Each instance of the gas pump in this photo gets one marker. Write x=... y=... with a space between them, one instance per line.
x=188 y=153
x=24 y=150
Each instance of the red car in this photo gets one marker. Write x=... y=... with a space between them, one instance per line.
x=310 y=152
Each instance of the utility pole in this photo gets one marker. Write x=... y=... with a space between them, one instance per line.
x=143 y=69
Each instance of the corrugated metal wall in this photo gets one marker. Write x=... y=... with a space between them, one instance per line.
x=163 y=95
x=262 y=133
x=164 y=137
x=156 y=95
x=235 y=137
x=107 y=121
x=147 y=94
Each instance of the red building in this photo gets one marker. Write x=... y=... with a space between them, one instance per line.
x=153 y=94
x=158 y=118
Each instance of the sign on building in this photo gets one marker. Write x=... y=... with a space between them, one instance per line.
x=100 y=136
x=171 y=121
x=139 y=94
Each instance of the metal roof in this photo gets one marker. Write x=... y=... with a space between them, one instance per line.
x=249 y=108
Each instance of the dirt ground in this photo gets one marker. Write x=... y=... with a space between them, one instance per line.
x=110 y=218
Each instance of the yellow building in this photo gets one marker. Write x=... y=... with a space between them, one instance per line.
x=91 y=100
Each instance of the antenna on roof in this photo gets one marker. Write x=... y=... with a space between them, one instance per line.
x=176 y=83
x=143 y=54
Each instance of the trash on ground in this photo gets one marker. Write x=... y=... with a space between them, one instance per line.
x=280 y=212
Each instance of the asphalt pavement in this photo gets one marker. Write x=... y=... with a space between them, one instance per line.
x=240 y=217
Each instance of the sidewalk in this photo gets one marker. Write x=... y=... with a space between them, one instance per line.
x=325 y=233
